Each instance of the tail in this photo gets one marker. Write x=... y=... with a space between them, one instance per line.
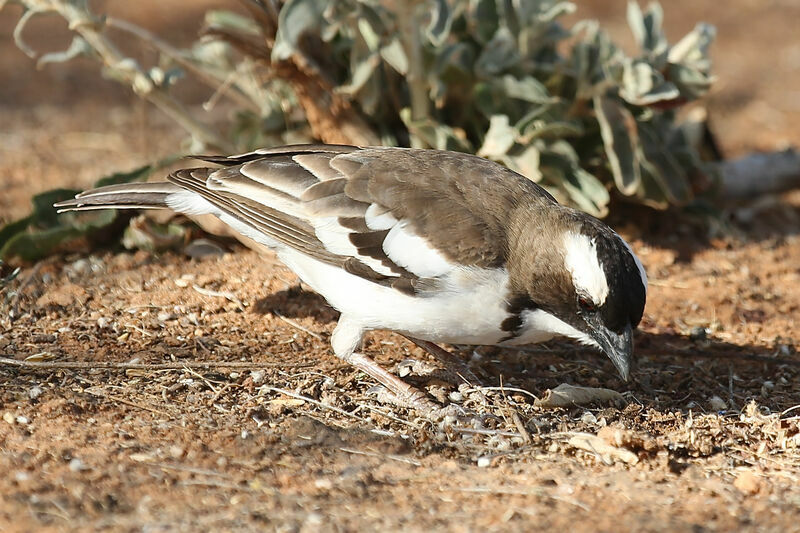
x=124 y=196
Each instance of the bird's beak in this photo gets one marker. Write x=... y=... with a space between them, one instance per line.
x=618 y=347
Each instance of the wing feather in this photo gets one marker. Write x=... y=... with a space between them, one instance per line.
x=396 y=216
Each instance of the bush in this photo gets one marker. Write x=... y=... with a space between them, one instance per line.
x=565 y=107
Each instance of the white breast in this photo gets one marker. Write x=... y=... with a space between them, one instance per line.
x=468 y=308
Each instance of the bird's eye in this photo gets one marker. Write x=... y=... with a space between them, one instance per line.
x=587 y=305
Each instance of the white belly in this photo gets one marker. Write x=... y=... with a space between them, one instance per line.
x=469 y=309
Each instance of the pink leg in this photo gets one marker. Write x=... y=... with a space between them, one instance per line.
x=451 y=362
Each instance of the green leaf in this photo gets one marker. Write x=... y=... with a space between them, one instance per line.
x=499 y=54
x=485 y=18
x=434 y=134
x=45 y=231
x=224 y=19
x=691 y=83
x=137 y=174
x=651 y=193
x=642 y=85
x=362 y=72
x=454 y=63
x=395 y=56
x=441 y=21
x=31 y=246
x=588 y=192
x=582 y=189
x=621 y=140
x=528 y=89
x=636 y=23
x=526 y=163
x=12 y=228
x=692 y=50
x=364 y=59
x=499 y=138
x=552 y=130
x=44 y=214
x=295 y=19
x=647 y=28
x=663 y=167
x=371 y=38
x=557 y=10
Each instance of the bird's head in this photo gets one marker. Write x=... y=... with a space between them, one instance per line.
x=592 y=289
x=610 y=288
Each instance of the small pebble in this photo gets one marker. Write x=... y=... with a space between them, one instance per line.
x=202 y=248
x=449 y=420
x=34 y=392
x=24 y=420
x=748 y=482
x=164 y=316
x=257 y=376
x=717 y=404
x=76 y=465
x=21 y=476
x=8 y=417
x=484 y=461
x=103 y=322
x=314 y=519
x=323 y=483
x=456 y=396
x=176 y=452
x=588 y=418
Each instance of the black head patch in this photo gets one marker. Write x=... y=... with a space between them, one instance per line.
x=626 y=297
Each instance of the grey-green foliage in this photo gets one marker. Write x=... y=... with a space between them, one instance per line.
x=502 y=78
x=500 y=84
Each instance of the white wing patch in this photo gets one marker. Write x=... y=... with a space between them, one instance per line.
x=379 y=218
x=336 y=239
x=413 y=253
x=587 y=272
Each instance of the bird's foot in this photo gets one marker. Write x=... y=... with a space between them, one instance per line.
x=449 y=415
x=395 y=391
x=454 y=366
x=410 y=366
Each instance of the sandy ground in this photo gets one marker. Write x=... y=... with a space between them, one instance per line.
x=227 y=411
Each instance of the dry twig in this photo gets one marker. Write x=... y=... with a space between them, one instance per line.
x=107 y=365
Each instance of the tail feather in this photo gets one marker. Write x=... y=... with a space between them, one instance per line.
x=123 y=196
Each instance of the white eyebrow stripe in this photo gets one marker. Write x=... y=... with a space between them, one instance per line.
x=582 y=262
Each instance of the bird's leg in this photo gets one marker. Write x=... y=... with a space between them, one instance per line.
x=346 y=340
x=405 y=395
x=451 y=362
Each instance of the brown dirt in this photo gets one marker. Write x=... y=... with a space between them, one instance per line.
x=712 y=443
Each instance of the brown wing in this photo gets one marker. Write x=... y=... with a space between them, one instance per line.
x=395 y=216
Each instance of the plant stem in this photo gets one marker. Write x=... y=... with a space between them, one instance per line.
x=417 y=86
x=82 y=22
x=209 y=78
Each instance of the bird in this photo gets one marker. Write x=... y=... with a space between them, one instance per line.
x=438 y=246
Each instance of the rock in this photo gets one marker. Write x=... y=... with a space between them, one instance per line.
x=748 y=482
x=34 y=392
x=717 y=404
